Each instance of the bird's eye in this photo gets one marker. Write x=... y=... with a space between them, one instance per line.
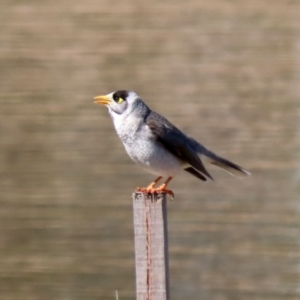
x=118 y=99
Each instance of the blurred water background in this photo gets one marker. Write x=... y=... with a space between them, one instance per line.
x=226 y=72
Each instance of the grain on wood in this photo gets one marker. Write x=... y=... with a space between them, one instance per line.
x=151 y=246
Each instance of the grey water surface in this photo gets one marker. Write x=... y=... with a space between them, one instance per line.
x=225 y=72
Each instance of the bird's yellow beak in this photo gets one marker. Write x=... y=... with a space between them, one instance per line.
x=102 y=100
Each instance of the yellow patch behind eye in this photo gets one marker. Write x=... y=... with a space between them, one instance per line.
x=120 y=100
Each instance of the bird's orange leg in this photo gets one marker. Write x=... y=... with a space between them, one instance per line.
x=163 y=189
x=150 y=188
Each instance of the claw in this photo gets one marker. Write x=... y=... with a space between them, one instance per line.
x=161 y=189
x=152 y=190
x=145 y=190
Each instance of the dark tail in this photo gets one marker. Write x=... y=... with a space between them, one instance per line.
x=219 y=161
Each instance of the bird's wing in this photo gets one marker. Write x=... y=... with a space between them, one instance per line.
x=175 y=141
x=195 y=173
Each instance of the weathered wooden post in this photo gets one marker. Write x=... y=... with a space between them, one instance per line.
x=151 y=246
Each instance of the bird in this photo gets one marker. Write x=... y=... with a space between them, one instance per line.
x=158 y=146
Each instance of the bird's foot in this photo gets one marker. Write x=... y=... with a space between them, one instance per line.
x=152 y=190
x=162 y=189
x=145 y=190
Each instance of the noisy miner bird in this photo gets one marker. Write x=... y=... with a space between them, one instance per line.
x=157 y=145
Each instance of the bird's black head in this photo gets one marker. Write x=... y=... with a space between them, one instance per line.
x=122 y=102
